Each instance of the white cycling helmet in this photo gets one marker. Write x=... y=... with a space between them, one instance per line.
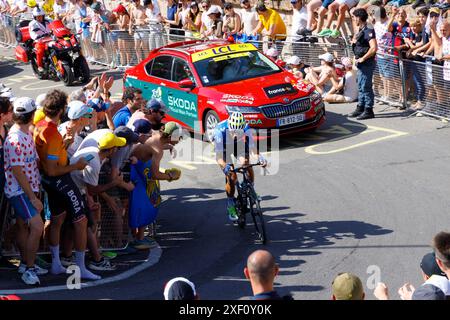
x=236 y=121
x=38 y=12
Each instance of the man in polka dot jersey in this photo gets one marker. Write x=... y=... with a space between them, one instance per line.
x=22 y=187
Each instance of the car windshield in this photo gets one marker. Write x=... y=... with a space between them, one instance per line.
x=234 y=67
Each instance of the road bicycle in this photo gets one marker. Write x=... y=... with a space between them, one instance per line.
x=249 y=202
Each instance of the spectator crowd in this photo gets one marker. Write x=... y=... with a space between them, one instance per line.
x=61 y=154
x=57 y=146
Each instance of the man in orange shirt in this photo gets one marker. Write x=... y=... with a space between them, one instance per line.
x=64 y=197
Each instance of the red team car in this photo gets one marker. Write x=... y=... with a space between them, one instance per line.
x=202 y=82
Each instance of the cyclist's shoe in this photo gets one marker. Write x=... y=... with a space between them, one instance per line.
x=232 y=213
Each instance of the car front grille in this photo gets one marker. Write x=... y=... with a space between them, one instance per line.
x=280 y=110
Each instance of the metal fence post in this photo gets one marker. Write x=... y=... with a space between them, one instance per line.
x=403 y=79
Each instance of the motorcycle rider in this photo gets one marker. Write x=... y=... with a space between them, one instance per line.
x=39 y=29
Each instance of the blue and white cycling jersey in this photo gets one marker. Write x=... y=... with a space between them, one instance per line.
x=223 y=140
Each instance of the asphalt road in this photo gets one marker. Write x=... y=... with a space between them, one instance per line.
x=362 y=197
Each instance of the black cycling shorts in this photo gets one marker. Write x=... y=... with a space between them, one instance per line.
x=64 y=196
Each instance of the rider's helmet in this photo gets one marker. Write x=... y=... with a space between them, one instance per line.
x=236 y=121
x=38 y=12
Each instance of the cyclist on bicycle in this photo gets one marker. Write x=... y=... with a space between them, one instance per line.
x=234 y=136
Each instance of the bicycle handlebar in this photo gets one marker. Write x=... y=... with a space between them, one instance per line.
x=245 y=167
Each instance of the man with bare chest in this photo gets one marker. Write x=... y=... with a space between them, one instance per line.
x=141 y=32
x=145 y=175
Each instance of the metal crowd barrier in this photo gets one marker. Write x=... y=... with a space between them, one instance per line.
x=7 y=30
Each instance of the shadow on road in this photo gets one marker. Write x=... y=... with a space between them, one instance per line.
x=9 y=69
x=214 y=252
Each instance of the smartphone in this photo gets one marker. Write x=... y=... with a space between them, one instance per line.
x=89 y=157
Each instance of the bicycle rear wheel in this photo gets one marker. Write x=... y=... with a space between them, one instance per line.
x=242 y=221
x=258 y=220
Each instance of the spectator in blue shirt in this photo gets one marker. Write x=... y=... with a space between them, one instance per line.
x=133 y=99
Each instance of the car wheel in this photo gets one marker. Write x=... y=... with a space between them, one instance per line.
x=210 y=123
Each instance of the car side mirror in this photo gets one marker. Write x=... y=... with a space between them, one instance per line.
x=186 y=84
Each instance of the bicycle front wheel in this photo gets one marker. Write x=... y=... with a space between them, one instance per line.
x=258 y=219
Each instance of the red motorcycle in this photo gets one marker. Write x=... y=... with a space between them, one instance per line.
x=63 y=59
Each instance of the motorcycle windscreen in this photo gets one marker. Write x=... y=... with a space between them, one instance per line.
x=59 y=29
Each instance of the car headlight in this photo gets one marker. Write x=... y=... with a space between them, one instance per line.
x=315 y=97
x=244 y=110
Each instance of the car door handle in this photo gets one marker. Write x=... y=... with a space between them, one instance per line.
x=170 y=93
x=145 y=87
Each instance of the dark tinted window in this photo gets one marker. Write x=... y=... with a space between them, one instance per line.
x=162 y=67
x=181 y=71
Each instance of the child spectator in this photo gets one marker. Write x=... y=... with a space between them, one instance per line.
x=297 y=67
x=347 y=89
x=323 y=77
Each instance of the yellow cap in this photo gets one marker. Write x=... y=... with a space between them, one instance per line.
x=38 y=116
x=31 y=3
x=109 y=140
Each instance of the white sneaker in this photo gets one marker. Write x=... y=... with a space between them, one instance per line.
x=40 y=69
x=103 y=265
x=39 y=271
x=30 y=277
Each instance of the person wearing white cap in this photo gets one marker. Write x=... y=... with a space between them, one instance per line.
x=214 y=29
x=323 y=77
x=347 y=89
x=39 y=114
x=180 y=288
x=79 y=115
x=296 y=66
x=23 y=186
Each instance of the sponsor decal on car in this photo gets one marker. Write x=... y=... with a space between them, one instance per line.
x=182 y=105
x=279 y=90
x=232 y=98
x=304 y=86
x=228 y=49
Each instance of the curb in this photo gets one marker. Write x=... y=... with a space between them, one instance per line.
x=152 y=259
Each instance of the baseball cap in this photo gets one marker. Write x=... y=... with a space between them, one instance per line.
x=24 y=105
x=429 y=265
x=156 y=105
x=213 y=10
x=120 y=9
x=346 y=62
x=194 y=4
x=328 y=57
x=435 y=11
x=171 y=127
x=98 y=104
x=127 y=133
x=179 y=289
x=347 y=286
x=294 y=1
x=77 y=110
x=261 y=6
x=293 y=60
x=40 y=100
x=109 y=140
x=142 y=126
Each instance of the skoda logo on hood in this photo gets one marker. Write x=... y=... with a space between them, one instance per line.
x=286 y=100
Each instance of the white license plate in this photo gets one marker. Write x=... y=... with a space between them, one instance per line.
x=285 y=121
